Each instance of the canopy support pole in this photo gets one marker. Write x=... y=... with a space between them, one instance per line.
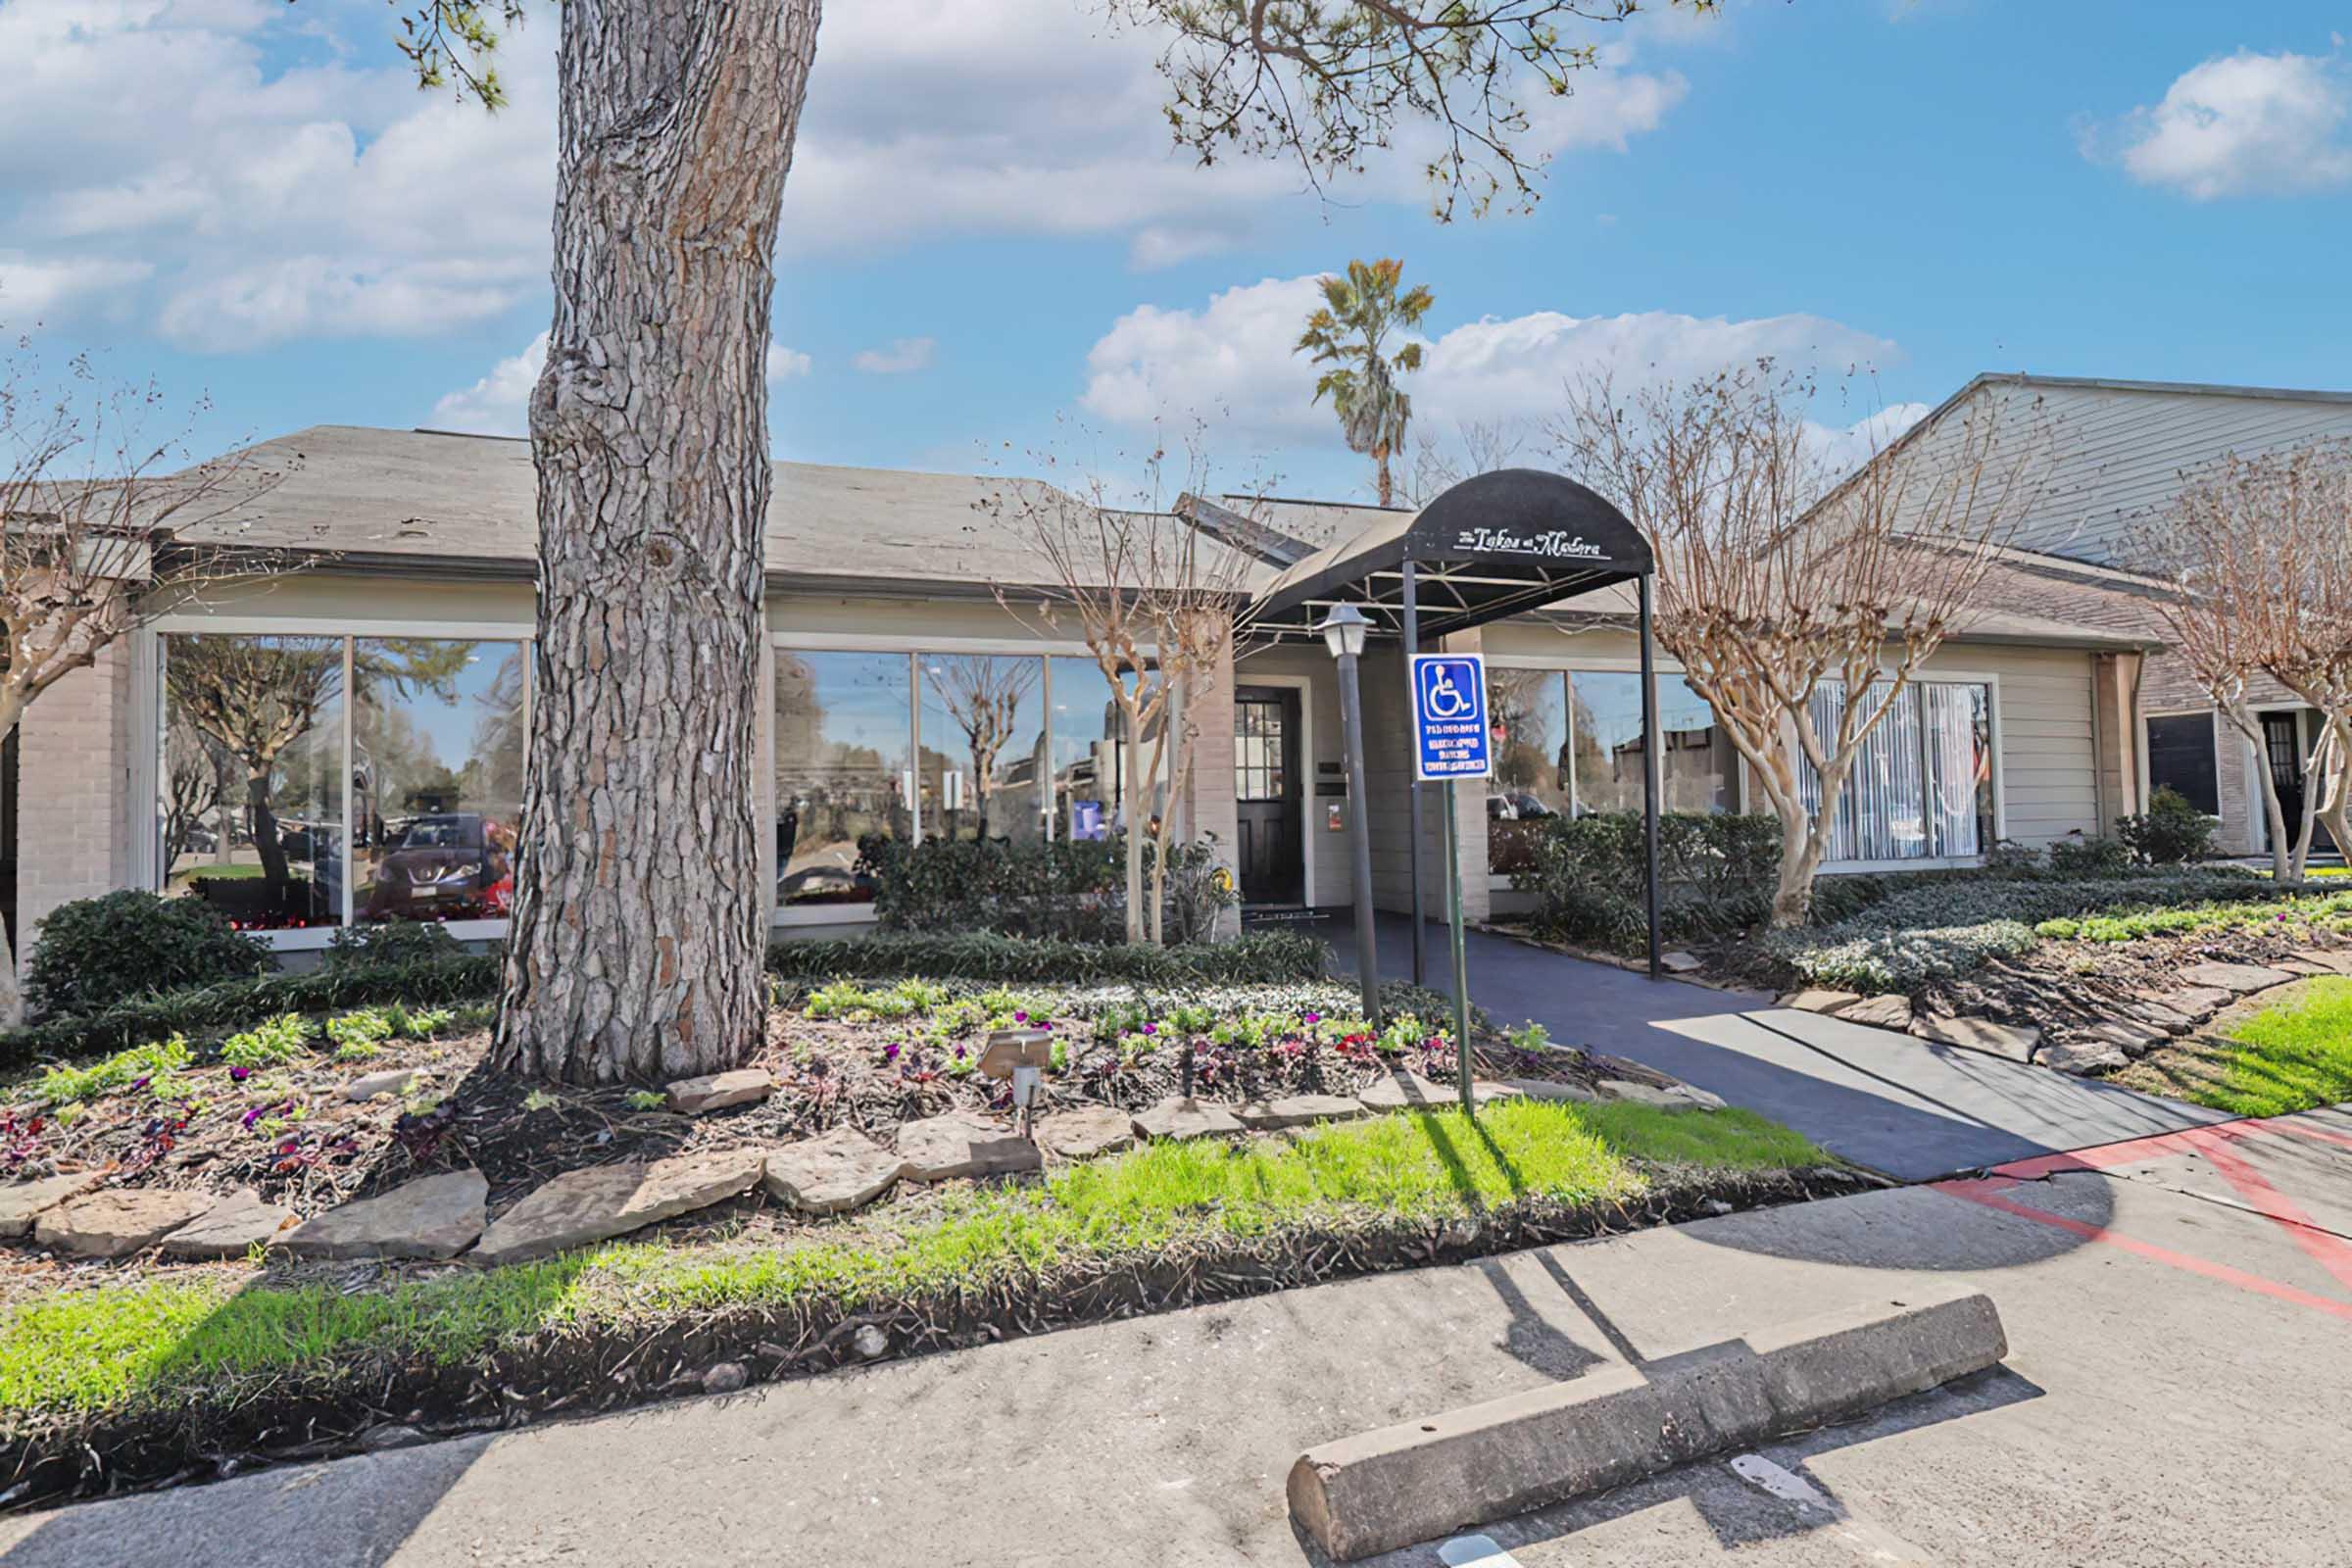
x=1653 y=771
x=1412 y=789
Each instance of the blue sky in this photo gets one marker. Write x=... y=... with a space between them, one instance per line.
x=988 y=252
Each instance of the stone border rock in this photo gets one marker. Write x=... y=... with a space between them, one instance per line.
x=1390 y=1489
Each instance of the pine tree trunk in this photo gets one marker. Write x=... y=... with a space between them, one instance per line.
x=636 y=945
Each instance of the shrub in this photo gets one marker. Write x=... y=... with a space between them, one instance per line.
x=236 y=1003
x=1263 y=957
x=363 y=946
x=2169 y=832
x=1068 y=889
x=92 y=952
x=1716 y=874
x=2089 y=856
x=357 y=1035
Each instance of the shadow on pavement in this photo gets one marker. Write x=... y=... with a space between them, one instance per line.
x=376 y=1503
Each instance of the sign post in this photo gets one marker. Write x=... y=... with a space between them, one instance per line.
x=1452 y=742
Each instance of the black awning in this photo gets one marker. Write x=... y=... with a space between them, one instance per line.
x=1500 y=544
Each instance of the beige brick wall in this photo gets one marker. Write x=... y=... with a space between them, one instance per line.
x=1207 y=805
x=74 y=832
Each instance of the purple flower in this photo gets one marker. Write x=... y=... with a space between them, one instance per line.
x=890 y=1052
x=144 y=1082
x=1151 y=1028
x=240 y=1074
x=1021 y=1017
x=1314 y=1017
x=252 y=1117
x=959 y=1052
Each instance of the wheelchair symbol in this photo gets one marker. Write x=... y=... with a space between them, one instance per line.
x=1440 y=698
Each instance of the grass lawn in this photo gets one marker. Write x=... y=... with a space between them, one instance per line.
x=2294 y=1054
x=164 y=1339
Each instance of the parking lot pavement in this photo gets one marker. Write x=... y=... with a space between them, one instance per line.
x=2174 y=1394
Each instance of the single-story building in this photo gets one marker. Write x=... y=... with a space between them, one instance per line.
x=346 y=743
x=2121 y=451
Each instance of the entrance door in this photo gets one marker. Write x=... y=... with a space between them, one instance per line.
x=1266 y=794
x=2283 y=749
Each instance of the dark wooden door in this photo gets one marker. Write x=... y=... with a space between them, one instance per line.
x=2283 y=749
x=1266 y=792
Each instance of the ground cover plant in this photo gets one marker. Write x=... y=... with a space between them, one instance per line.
x=2291 y=1051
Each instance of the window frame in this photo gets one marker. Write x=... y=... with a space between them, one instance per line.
x=1620 y=663
x=785 y=640
x=149 y=653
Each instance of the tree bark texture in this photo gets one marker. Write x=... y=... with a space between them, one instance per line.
x=636 y=948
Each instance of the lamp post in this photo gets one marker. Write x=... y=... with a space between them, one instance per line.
x=1344 y=632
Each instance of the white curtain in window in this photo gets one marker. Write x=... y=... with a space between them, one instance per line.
x=1917 y=787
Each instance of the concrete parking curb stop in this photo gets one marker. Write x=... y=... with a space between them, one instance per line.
x=1400 y=1485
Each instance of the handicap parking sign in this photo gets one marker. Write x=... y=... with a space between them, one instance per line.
x=1450 y=717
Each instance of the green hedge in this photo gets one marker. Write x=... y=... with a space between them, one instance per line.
x=236 y=1004
x=1063 y=888
x=1716 y=874
x=1266 y=957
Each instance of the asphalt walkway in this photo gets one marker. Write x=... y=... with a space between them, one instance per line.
x=1911 y=1109
x=2177 y=1310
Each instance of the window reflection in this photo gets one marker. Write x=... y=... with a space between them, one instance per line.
x=438 y=736
x=843 y=769
x=252 y=801
x=983 y=746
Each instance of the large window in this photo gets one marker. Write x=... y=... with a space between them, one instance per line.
x=844 y=768
x=438 y=732
x=983 y=746
x=1922 y=786
x=287 y=761
x=1570 y=744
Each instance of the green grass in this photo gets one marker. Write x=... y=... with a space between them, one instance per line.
x=2292 y=1055
x=91 y=1349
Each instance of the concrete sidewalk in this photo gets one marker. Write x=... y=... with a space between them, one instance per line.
x=2174 y=1396
x=1895 y=1103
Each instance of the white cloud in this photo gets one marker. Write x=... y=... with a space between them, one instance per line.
x=1232 y=361
x=1845 y=449
x=283 y=177
x=2244 y=124
x=30 y=289
x=499 y=404
x=904 y=356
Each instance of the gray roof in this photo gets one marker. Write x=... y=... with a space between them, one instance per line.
x=462 y=505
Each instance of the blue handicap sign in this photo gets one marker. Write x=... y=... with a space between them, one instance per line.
x=1450 y=717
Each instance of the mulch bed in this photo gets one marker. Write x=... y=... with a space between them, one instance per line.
x=289 y=1134
x=2067 y=985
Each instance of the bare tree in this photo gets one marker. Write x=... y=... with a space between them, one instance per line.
x=93 y=509
x=2260 y=553
x=1775 y=589
x=1479 y=446
x=1156 y=601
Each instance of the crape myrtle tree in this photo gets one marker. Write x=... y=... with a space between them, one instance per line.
x=1776 y=587
x=1158 y=604
x=636 y=941
x=2259 y=551
x=92 y=504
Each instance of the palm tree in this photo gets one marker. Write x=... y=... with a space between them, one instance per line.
x=1347 y=332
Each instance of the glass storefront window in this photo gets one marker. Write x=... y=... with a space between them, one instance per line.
x=983 y=735
x=1571 y=744
x=844 y=768
x=438 y=731
x=1084 y=751
x=252 y=793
